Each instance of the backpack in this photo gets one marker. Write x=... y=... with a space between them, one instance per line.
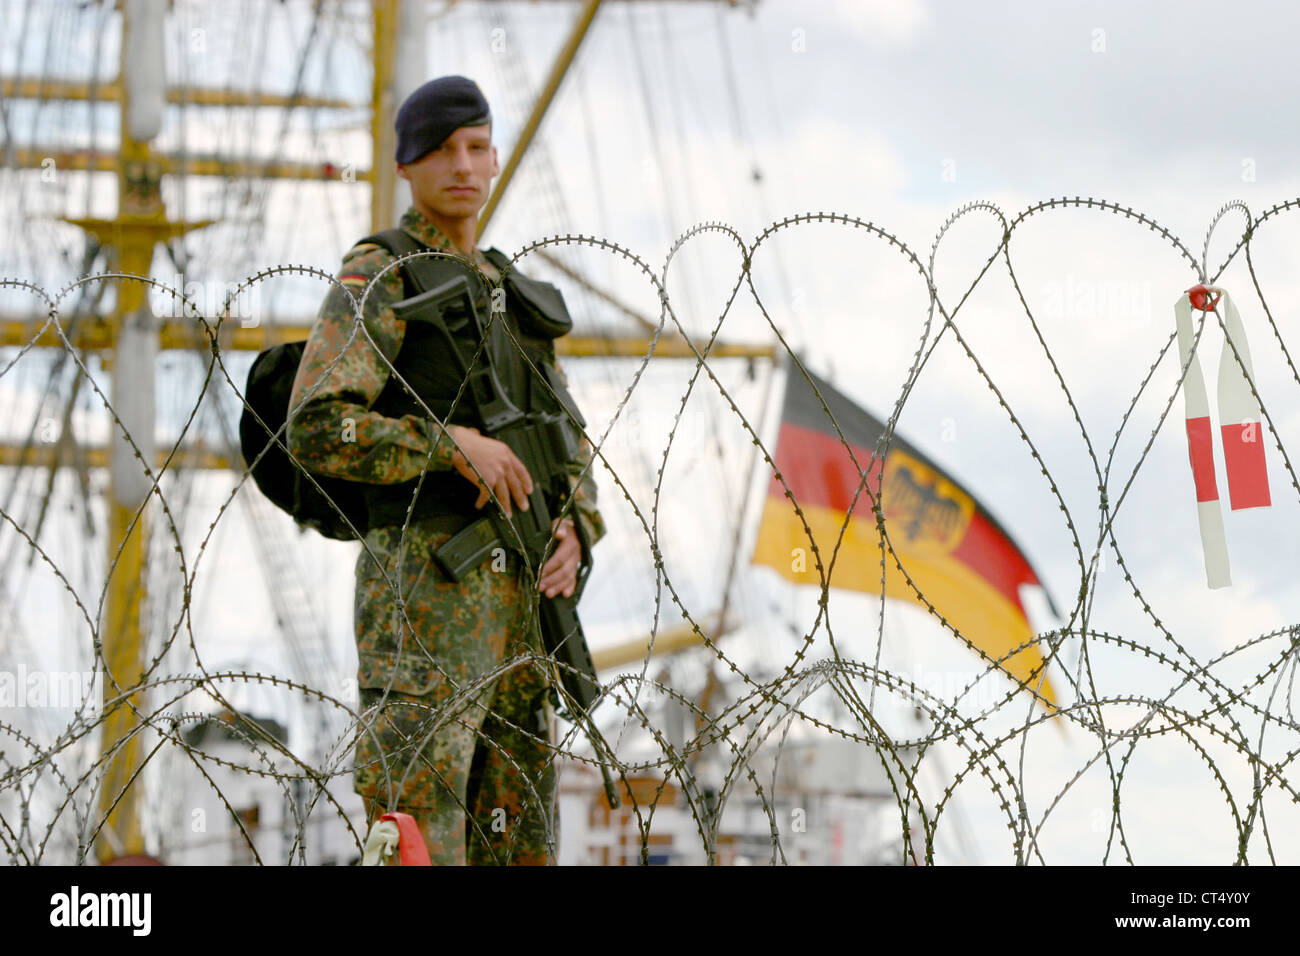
x=276 y=474
x=270 y=385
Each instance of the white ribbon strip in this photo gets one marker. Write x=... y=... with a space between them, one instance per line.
x=1239 y=418
x=380 y=843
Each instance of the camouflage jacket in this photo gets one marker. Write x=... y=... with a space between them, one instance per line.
x=381 y=450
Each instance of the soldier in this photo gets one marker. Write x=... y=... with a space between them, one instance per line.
x=457 y=723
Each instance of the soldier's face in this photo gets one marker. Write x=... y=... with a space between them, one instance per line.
x=453 y=181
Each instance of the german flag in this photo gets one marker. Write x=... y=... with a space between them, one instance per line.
x=961 y=560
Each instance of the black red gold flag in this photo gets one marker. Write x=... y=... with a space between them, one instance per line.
x=959 y=557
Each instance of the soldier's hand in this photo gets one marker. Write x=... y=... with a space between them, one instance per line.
x=560 y=573
x=490 y=464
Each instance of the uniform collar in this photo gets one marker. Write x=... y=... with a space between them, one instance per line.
x=419 y=226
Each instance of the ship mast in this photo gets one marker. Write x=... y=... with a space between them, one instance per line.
x=140 y=224
x=130 y=337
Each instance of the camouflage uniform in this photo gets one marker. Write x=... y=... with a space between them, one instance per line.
x=446 y=728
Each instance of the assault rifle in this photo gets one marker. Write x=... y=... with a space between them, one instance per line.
x=545 y=444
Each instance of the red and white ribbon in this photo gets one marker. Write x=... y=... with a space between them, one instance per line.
x=1239 y=425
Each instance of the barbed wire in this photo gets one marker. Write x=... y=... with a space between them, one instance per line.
x=52 y=809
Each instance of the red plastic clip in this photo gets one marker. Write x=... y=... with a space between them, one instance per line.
x=410 y=843
x=1198 y=294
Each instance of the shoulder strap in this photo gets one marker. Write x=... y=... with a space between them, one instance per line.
x=397 y=241
x=499 y=259
x=400 y=243
x=421 y=274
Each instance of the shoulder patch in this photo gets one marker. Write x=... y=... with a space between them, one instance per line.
x=363 y=262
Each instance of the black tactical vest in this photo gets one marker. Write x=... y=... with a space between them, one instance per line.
x=534 y=315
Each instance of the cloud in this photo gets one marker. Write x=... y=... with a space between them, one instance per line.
x=887 y=22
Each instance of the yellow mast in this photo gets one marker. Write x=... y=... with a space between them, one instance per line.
x=383 y=137
x=140 y=224
x=558 y=72
x=133 y=335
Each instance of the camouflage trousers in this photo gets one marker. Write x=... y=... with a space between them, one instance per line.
x=455 y=725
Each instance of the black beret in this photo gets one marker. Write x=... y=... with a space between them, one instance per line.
x=435 y=111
